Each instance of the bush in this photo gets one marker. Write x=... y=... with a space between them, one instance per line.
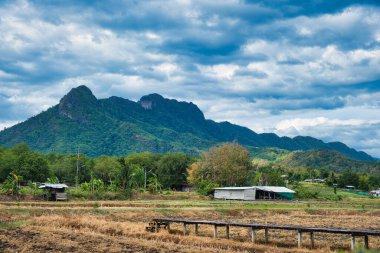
x=206 y=187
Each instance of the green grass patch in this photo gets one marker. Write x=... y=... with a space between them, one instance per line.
x=14 y=224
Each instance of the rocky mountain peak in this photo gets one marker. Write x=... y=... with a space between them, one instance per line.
x=148 y=102
x=78 y=99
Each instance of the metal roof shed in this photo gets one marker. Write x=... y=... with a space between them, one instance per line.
x=274 y=192
x=55 y=191
x=238 y=193
x=253 y=193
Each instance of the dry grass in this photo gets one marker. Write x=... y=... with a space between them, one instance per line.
x=120 y=227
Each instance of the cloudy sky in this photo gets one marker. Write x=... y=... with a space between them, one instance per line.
x=289 y=67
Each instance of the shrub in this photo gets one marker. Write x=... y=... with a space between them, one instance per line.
x=206 y=187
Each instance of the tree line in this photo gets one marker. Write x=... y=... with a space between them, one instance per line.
x=166 y=171
x=228 y=164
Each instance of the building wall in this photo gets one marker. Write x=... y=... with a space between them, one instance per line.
x=248 y=194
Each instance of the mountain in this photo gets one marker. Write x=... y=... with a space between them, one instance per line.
x=327 y=159
x=118 y=126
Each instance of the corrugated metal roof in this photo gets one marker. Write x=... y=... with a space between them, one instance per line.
x=275 y=189
x=235 y=188
x=263 y=188
x=55 y=186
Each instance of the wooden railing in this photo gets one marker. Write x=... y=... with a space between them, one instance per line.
x=159 y=223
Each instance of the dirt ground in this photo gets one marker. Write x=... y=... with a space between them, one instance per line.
x=120 y=226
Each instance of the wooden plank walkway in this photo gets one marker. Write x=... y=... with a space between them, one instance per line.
x=159 y=222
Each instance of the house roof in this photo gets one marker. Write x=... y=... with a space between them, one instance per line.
x=263 y=188
x=54 y=186
x=235 y=188
x=275 y=189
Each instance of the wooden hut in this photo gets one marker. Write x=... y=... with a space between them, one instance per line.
x=55 y=192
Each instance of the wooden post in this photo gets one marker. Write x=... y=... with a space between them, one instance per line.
x=299 y=238
x=266 y=235
x=312 y=240
x=215 y=231
x=156 y=226
x=253 y=234
x=366 y=244
x=228 y=231
x=184 y=228
x=168 y=227
x=196 y=228
x=352 y=241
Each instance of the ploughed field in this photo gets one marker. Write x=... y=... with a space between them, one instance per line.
x=119 y=226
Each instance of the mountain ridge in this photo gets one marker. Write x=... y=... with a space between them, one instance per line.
x=118 y=126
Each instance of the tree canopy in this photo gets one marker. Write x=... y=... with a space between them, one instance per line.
x=225 y=165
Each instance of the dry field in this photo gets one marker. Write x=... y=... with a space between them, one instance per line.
x=119 y=226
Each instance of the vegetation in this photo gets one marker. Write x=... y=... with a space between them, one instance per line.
x=327 y=159
x=105 y=174
x=108 y=177
x=226 y=165
x=116 y=226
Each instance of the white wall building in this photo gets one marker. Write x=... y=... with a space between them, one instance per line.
x=253 y=193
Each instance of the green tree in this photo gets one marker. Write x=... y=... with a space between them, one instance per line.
x=363 y=183
x=137 y=179
x=172 y=169
x=147 y=161
x=323 y=173
x=106 y=168
x=225 y=165
x=12 y=184
x=124 y=173
x=8 y=162
x=348 y=178
x=32 y=166
x=374 y=181
x=269 y=175
x=154 y=186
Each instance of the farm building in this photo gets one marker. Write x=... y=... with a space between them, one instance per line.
x=375 y=193
x=55 y=191
x=253 y=193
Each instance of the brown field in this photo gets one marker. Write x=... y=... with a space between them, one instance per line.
x=119 y=226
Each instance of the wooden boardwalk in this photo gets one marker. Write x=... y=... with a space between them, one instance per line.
x=253 y=227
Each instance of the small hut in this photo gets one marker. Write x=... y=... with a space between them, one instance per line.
x=55 y=192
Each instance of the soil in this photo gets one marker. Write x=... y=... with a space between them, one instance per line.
x=23 y=240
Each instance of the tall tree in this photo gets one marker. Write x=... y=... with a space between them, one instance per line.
x=106 y=168
x=32 y=166
x=225 y=165
x=172 y=169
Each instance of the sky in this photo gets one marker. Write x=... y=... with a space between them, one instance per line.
x=289 y=67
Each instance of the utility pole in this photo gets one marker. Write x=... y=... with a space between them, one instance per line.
x=145 y=179
x=77 y=177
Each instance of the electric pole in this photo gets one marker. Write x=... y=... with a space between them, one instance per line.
x=77 y=177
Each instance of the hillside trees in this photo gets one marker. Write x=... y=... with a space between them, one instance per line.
x=224 y=165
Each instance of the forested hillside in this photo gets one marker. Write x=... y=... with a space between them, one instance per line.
x=118 y=126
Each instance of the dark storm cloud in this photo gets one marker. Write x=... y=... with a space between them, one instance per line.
x=265 y=59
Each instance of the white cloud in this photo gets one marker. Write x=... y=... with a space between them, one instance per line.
x=219 y=71
x=298 y=75
x=7 y=123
